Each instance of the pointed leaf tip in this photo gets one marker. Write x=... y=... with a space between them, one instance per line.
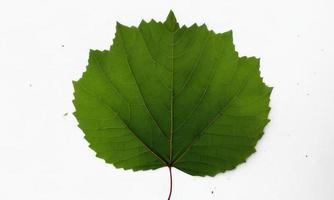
x=171 y=16
x=171 y=22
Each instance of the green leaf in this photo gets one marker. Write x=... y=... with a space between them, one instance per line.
x=165 y=95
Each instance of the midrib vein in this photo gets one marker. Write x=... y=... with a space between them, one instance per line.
x=171 y=104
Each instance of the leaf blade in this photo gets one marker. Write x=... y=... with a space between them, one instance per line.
x=176 y=96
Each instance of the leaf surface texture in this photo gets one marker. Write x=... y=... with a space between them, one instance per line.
x=165 y=95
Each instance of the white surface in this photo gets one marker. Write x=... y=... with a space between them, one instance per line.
x=43 y=155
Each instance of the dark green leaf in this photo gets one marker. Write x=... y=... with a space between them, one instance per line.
x=165 y=95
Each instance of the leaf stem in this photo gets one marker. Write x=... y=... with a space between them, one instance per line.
x=171 y=182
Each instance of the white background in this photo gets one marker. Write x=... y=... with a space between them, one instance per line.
x=44 y=45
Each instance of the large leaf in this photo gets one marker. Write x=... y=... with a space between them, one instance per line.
x=165 y=95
